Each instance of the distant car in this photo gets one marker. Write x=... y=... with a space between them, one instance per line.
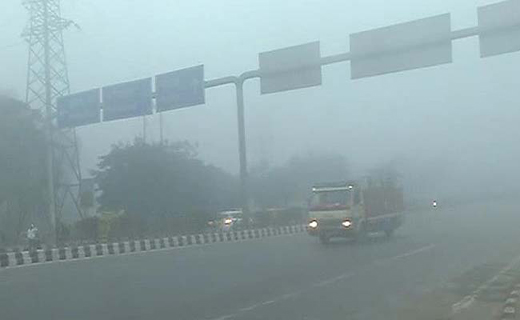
x=230 y=220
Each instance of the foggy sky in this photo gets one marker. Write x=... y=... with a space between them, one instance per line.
x=454 y=125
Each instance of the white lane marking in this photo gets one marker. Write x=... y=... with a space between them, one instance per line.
x=255 y=306
x=248 y=308
x=322 y=283
x=290 y=295
x=333 y=280
x=468 y=300
x=285 y=296
x=410 y=253
x=509 y=310
x=462 y=304
x=345 y=276
x=381 y=261
x=229 y=316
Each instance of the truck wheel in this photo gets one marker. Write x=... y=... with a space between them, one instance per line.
x=324 y=239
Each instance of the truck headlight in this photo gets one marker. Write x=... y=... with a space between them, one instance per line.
x=313 y=224
x=346 y=223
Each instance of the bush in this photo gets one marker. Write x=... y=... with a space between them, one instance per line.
x=63 y=232
x=87 y=229
x=279 y=217
x=111 y=227
x=126 y=226
x=195 y=222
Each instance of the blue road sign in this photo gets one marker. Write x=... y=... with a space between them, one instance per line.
x=127 y=100
x=180 y=88
x=78 y=109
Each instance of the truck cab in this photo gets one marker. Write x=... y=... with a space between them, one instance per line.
x=334 y=211
x=352 y=210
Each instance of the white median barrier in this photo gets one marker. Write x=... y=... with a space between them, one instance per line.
x=14 y=259
x=55 y=254
x=26 y=257
x=146 y=245
x=40 y=254
x=92 y=250
x=11 y=258
x=68 y=253
x=126 y=246
x=81 y=252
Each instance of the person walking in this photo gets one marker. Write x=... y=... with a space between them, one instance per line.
x=32 y=237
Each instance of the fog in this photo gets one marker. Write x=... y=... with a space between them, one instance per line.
x=450 y=129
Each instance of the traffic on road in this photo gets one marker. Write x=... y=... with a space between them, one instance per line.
x=260 y=159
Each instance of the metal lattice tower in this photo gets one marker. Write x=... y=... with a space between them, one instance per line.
x=47 y=76
x=47 y=79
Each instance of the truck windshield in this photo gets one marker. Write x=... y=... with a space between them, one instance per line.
x=330 y=198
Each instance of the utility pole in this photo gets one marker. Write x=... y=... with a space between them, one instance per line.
x=161 y=129
x=48 y=120
x=47 y=79
x=242 y=153
x=144 y=129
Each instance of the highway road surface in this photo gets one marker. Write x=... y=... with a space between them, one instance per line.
x=287 y=277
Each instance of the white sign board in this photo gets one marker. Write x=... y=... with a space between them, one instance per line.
x=412 y=45
x=127 y=100
x=290 y=68
x=180 y=89
x=499 y=28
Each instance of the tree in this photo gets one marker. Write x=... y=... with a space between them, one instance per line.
x=22 y=165
x=290 y=183
x=153 y=181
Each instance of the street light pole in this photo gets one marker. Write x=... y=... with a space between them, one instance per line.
x=244 y=185
x=244 y=174
x=242 y=153
x=161 y=133
x=239 y=86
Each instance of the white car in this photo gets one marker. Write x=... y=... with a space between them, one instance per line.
x=230 y=220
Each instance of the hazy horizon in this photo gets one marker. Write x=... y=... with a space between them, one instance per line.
x=436 y=122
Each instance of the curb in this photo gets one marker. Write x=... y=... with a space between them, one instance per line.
x=508 y=310
x=14 y=259
x=468 y=300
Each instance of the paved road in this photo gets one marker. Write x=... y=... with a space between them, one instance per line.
x=292 y=277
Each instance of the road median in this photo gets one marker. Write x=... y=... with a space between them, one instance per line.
x=24 y=258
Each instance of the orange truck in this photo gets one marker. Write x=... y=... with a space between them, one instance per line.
x=355 y=209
